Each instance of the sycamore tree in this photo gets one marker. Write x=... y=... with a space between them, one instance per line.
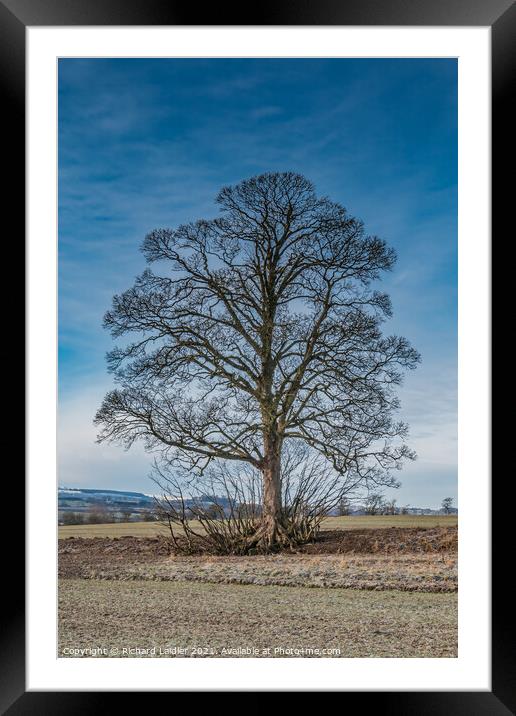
x=255 y=329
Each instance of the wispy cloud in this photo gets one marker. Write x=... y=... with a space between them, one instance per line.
x=147 y=143
x=82 y=462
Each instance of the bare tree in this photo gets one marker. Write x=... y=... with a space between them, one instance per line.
x=374 y=504
x=149 y=515
x=446 y=505
x=96 y=517
x=343 y=507
x=261 y=328
x=98 y=514
x=390 y=507
x=72 y=518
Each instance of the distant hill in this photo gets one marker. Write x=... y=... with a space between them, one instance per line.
x=86 y=500
x=71 y=499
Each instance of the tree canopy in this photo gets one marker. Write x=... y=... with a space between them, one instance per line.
x=257 y=327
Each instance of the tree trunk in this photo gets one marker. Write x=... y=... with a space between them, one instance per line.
x=271 y=526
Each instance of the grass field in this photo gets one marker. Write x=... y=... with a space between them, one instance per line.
x=361 y=590
x=150 y=529
x=216 y=617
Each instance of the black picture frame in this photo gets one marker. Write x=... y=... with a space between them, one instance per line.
x=500 y=15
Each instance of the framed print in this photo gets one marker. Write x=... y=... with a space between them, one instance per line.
x=258 y=357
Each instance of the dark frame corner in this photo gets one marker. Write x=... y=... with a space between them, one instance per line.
x=500 y=15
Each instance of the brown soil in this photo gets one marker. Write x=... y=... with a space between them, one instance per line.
x=389 y=540
x=78 y=555
x=370 y=592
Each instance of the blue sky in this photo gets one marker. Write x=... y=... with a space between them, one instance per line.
x=145 y=143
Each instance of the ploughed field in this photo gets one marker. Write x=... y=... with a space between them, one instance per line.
x=358 y=591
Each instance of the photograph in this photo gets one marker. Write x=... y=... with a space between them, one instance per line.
x=257 y=357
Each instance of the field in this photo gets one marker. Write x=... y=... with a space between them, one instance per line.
x=214 y=617
x=371 y=586
x=150 y=529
